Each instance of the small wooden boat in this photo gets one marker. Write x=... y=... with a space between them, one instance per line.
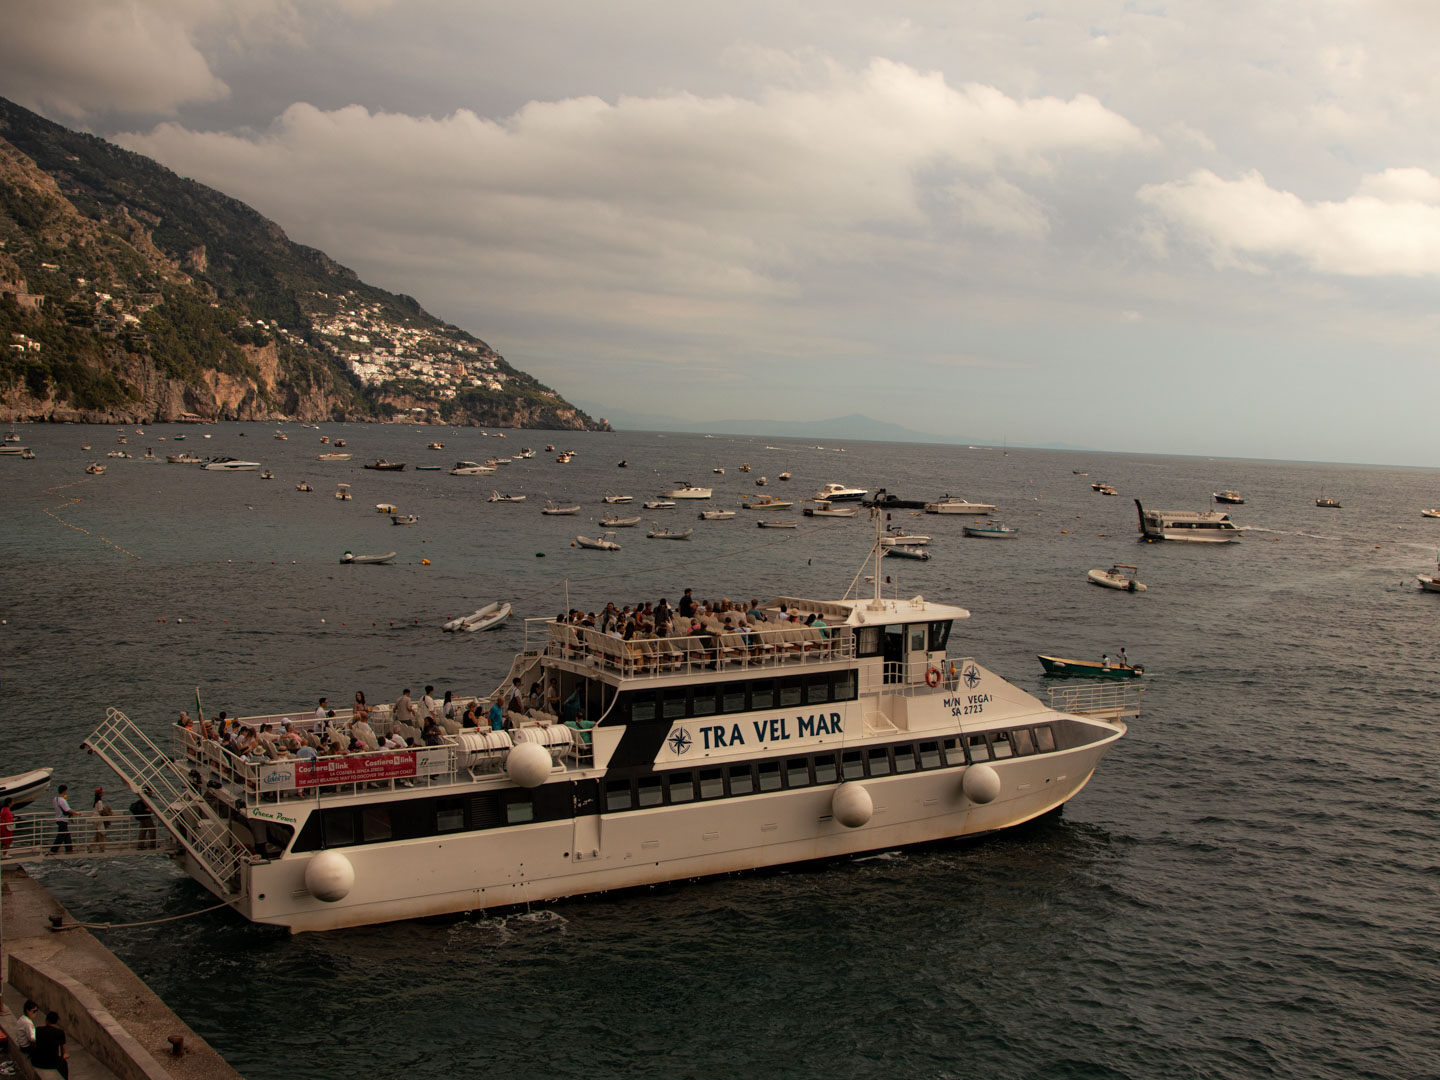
x=1227 y=496
x=387 y=466
x=1089 y=669
x=1327 y=502
x=765 y=502
x=598 y=543
x=1117 y=577
x=658 y=533
x=784 y=476
x=24 y=788
x=555 y=511
x=825 y=509
x=324 y=440
x=496 y=496
x=333 y=456
x=716 y=515
x=1430 y=513
x=901 y=551
x=404 y=519
x=991 y=530
x=350 y=557
x=619 y=522
x=777 y=524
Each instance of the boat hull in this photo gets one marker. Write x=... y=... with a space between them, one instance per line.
x=533 y=864
x=1088 y=669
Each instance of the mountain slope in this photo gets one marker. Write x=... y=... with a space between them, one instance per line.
x=130 y=293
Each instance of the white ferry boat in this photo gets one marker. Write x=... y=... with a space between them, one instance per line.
x=1205 y=526
x=671 y=759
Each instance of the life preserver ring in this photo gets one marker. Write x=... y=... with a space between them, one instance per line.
x=932 y=677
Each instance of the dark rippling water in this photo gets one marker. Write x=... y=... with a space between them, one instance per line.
x=1247 y=887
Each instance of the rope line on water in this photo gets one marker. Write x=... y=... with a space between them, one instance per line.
x=75 y=501
x=147 y=922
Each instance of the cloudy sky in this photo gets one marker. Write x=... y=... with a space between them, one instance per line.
x=1202 y=226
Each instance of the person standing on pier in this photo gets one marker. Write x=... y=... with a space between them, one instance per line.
x=7 y=824
x=63 y=814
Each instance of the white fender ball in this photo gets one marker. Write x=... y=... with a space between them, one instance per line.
x=851 y=805
x=329 y=876
x=981 y=784
x=529 y=764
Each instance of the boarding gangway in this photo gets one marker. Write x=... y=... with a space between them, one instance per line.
x=177 y=805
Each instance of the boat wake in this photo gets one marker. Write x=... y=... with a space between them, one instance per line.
x=497 y=930
x=1292 y=532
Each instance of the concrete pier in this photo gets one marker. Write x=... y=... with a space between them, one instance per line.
x=117 y=1024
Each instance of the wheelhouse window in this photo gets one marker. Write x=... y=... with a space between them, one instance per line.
x=868 y=641
x=917 y=639
x=939 y=635
x=1001 y=744
x=1045 y=739
x=1024 y=741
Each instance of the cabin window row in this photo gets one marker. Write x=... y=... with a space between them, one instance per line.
x=743 y=695
x=346 y=826
x=680 y=786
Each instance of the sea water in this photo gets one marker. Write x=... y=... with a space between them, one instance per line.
x=1246 y=888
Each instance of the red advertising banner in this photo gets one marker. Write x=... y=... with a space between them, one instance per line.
x=354 y=770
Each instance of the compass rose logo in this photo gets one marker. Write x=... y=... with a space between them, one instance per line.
x=972 y=677
x=680 y=740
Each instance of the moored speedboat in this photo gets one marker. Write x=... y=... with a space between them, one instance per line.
x=24 y=788
x=496 y=496
x=658 y=533
x=386 y=466
x=342 y=492
x=823 y=508
x=833 y=492
x=894 y=534
x=905 y=551
x=948 y=505
x=95 y=469
x=660 y=504
x=556 y=510
x=1430 y=513
x=350 y=557
x=404 y=519
x=685 y=490
x=611 y=497
x=1120 y=576
x=765 y=502
x=471 y=468
x=485 y=618
x=334 y=455
x=990 y=530
x=716 y=515
x=611 y=522
x=1327 y=502
x=598 y=543
x=303 y=486
x=778 y=524
x=1233 y=497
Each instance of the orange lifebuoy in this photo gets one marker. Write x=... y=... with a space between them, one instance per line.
x=932 y=677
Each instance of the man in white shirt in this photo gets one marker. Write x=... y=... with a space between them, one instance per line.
x=26 y=1037
x=429 y=707
x=63 y=813
x=322 y=708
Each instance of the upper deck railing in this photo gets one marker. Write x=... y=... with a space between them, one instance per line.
x=1107 y=700
x=582 y=648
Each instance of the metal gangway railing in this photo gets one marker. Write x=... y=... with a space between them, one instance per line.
x=166 y=789
x=1106 y=700
x=37 y=839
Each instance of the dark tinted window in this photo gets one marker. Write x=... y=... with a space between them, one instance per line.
x=769 y=775
x=741 y=782
x=642 y=705
x=853 y=764
x=879 y=761
x=647 y=791
x=797 y=773
x=702 y=701
x=762 y=694
x=977 y=748
x=732 y=697
x=682 y=786
x=519 y=808
x=1024 y=741
x=1045 y=739
x=824 y=768
x=339 y=827
x=712 y=783
x=617 y=795
x=929 y=755
x=904 y=759
x=449 y=815
x=789 y=692
x=673 y=704
x=939 y=635
x=375 y=824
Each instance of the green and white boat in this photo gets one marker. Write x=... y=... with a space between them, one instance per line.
x=1089 y=669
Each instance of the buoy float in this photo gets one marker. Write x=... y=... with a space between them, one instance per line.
x=329 y=877
x=539 y=554
x=528 y=765
x=981 y=784
x=424 y=562
x=851 y=805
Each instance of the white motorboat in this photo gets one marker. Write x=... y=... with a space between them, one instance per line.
x=778 y=524
x=496 y=496
x=555 y=510
x=13 y=451
x=485 y=618
x=991 y=530
x=716 y=515
x=660 y=504
x=350 y=557
x=117 y=454
x=1232 y=497
x=784 y=476
x=896 y=535
x=386 y=508
x=185 y=459
x=436 y=446
x=303 y=486
x=719 y=470
x=1431 y=582
x=762 y=481
x=342 y=491
x=765 y=502
x=95 y=469
x=900 y=551
x=471 y=468
x=821 y=508
x=1120 y=576
x=605 y=542
x=334 y=455
x=1430 y=513
x=678 y=776
x=404 y=519
x=1205 y=527
x=611 y=497
x=619 y=522
x=24 y=788
x=948 y=505
x=686 y=490
x=833 y=492
x=525 y=454
x=281 y=436
x=658 y=533
x=229 y=465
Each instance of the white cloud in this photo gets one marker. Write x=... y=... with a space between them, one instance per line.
x=1391 y=226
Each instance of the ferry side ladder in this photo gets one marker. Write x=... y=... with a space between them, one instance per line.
x=174 y=801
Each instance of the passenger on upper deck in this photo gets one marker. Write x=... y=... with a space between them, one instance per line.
x=430 y=736
x=496 y=715
x=447 y=707
x=472 y=715
x=322 y=708
x=428 y=705
x=405 y=712
x=687 y=605
x=360 y=708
